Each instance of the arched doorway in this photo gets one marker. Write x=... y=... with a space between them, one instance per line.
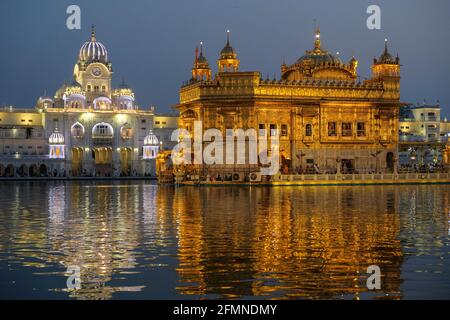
x=125 y=161
x=103 y=161
x=390 y=161
x=77 y=161
x=33 y=171
x=9 y=171
x=43 y=170
x=23 y=170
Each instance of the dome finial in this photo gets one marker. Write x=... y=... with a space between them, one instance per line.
x=317 y=41
x=386 y=46
x=228 y=37
x=93 y=38
x=201 y=48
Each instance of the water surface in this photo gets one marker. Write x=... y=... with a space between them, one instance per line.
x=138 y=240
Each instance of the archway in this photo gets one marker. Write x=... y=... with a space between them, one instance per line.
x=125 y=161
x=23 y=170
x=103 y=161
x=33 y=170
x=77 y=161
x=43 y=170
x=9 y=171
x=390 y=162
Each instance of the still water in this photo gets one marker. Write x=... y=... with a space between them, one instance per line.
x=138 y=240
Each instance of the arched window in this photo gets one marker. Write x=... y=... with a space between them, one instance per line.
x=102 y=130
x=77 y=130
x=102 y=103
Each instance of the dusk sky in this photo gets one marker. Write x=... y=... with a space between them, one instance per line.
x=151 y=43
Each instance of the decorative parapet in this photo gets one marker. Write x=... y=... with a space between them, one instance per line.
x=246 y=86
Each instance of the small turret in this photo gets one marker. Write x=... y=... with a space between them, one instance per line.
x=386 y=65
x=228 y=61
x=386 y=69
x=201 y=69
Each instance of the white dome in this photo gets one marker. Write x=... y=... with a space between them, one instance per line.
x=93 y=50
x=56 y=138
x=151 y=139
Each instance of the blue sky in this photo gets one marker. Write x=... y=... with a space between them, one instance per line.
x=152 y=42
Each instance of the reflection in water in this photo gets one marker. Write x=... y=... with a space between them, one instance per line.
x=286 y=242
x=140 y=240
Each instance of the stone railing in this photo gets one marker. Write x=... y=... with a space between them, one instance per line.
x=361 y=177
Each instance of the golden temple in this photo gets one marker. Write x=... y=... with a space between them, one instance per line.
x=326 y=119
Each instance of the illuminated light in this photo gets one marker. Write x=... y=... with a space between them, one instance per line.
x=121 y=117
x=88 y=115
x=86 y=149
x=57 y=152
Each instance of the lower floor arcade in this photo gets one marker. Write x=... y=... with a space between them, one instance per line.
x=95 y=162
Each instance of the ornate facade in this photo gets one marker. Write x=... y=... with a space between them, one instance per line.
x=87 y=128
x=325 y=117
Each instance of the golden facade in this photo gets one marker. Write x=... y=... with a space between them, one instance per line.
x=323 y=114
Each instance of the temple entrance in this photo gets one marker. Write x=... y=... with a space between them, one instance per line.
x=125 y=161
x=103 y=161
x=77 y=161
x=9 y=171
x=33 y=170
x=390 y=162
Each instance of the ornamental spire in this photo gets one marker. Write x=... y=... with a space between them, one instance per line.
x=228 y=38
x=317 y=41
x=201 y=48
x=93 y=38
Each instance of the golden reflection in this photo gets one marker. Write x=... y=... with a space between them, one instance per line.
x=287 y=242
